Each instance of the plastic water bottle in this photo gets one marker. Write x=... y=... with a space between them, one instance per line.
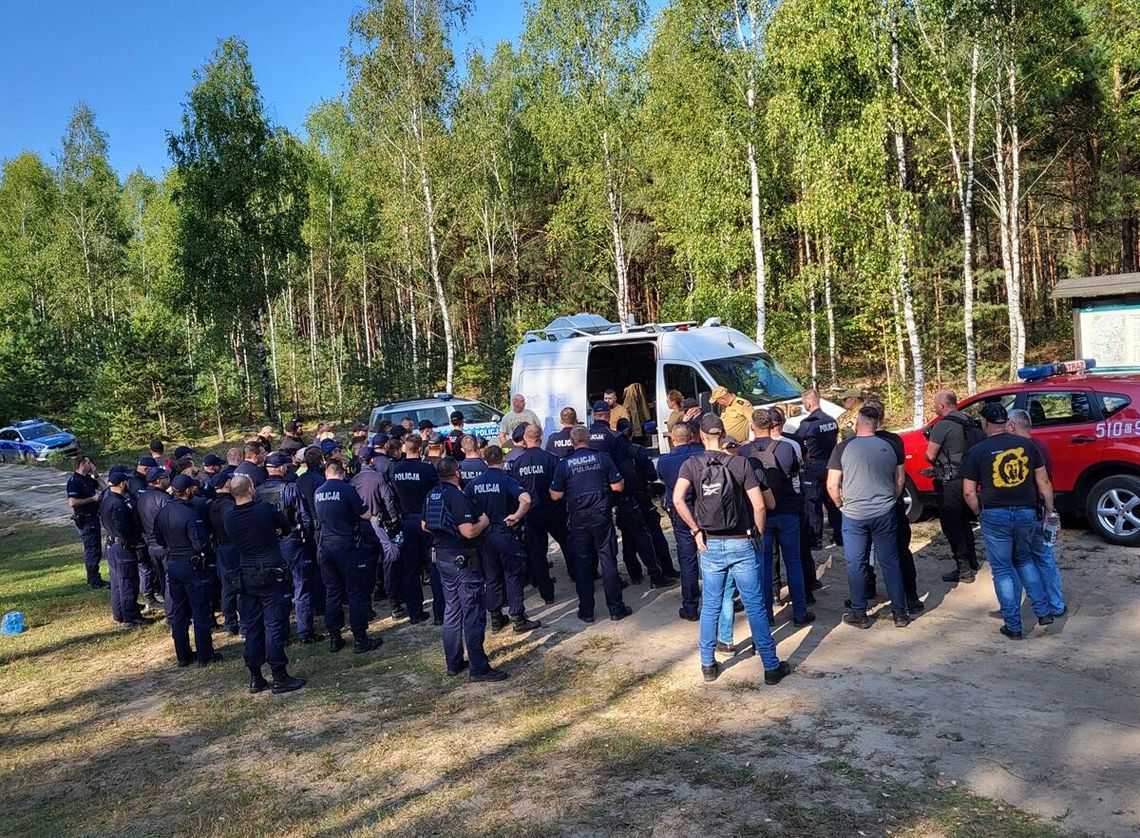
x=1052 y=528
x=13 y=623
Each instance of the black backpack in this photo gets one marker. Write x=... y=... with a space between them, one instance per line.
x=972 y=434
x=718 y=503
x=778 y=481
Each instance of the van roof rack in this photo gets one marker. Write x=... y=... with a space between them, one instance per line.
x=590 y=325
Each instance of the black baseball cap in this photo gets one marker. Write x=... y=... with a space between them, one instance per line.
x=519 y=432
x=624 y=425
x=182 y=482
x=153 y=475
x=182 y=451
x=212 y=460
x=149 y=462
x=278 y=458
x=456 y=416
x=601 y=407
x=711 y=424
x=435 y=439
x=994 y=413
x=426 y=425
x=359 y=426
x=117 y=476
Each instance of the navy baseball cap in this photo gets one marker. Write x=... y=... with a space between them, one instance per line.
x=435 y=439
x=115 y=477
x=426 y=424
x=149 y=462
x=182 y=482
x=367 y=453
x=278 y=458
x=221 y=478
x=212 y=460
x=601 y=407
x=359 y=426
x=456 y=416
x=329 y=445
x=519 y=432
x=624 y=425
x=380 y=439
x=182 y=451
x=153 y=475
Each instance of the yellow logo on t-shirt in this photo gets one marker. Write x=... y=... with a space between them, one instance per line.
x=1011 y=468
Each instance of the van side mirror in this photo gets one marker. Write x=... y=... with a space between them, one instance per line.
x=705 y=398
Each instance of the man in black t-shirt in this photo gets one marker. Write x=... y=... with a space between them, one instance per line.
x=1001 y=479
x=946 y=446
x=721 y=482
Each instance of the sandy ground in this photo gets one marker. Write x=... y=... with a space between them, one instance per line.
x=1050 y=724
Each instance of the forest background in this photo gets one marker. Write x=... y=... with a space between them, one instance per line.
x=880 y=191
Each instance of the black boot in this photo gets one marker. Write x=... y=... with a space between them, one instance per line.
x=336 y=642
x=367 y=644
x=257 y=682
x=283 y=682
x=523 y=625
x=499 y=621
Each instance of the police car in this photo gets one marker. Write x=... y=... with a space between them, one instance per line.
x=1088 y=423
x=478 y=419
x=37 y=438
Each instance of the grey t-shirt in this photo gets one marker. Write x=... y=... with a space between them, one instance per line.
x=868 y=464
x=511 y=420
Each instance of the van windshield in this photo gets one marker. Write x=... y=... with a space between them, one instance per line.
x=757 y=378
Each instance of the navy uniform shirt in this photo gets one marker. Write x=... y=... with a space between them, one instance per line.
x=513 y=454
x=215 y=480
x=585 y=476
x=818 y=432
x=81 y=487
x=338 y=508
x=119 y=520
x=643 y=472
x=669 y=467
x=470 y=468
x=412 y=479
x=180 y=529
x=253 y=528
x=252 y=470
x=444 y=508
x=610 y=442
x=307 y=484
x=149 y=504
x=219 y=506
x=494 y=493
x=136 y=484
x=373 y=488
x=559 y=444
x=534 y=469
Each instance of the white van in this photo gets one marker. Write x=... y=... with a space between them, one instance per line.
x=575 y=359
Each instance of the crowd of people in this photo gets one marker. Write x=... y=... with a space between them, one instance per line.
x=282 y=533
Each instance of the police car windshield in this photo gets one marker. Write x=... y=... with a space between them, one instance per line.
x=757 y=377
x=39 y=431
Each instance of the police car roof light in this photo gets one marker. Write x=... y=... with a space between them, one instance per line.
x=1039 y=373
x=444 y=396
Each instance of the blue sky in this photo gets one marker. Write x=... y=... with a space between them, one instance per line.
x=131 y=61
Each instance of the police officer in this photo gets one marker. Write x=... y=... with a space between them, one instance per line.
x=450 y=518
x=435 y=450
x=124 y=536
x=517 y=446
x=254 y=464
x=148 y=505
x=345 y=559
x=735 y=413
x=682 y=447
x=285 y=496
x=84 y=487
x=500 y=497
x=375 y=489
x=212 y=466
x=586 y=479
x=559 y=443
x=308 y=585
x=253 y=526
x=472 y=465
x=181 y=532
x=534 y=469
x=645 y=475
x=412 y=479
x=136 y=484
x=818 y=433
x=228 y=567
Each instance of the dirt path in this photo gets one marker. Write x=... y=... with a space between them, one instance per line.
x=34 y=492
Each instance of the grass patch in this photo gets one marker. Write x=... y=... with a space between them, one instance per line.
x=103 y=735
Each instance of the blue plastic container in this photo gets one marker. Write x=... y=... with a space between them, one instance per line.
x=13 y=623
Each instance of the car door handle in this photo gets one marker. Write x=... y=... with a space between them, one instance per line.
x=1081 y=440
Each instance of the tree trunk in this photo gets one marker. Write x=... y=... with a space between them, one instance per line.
x=218 y=403
x=263 y=369
x=832 y=357
x=620 y=267
x=1015 y=213
x=757 y=237
x=900 y=350
x=809 y=277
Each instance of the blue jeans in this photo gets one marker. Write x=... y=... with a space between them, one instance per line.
x=735 y=556
x=858 y=537
x=1008 y=535
x=727 y=612
x=786 y=528
x=1047 y=569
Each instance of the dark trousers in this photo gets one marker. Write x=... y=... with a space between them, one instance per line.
x=592 y=540
x=228 y=571
x=149 y=584
x=91 y=534
x=859 y=535
x=504 y=568
x=956 y=520
x=265 y=610
x=635 y=540
x=539 y=527
x=414 y=557
x=464 y=618
x=347 y=574
x=906 y=557
x=188 y=600
x=306 y=578
x=813 y=481
x=784 y=529
x=158 y=579
x=652 y=518
x=391 y=570
x=122 y=567
x=690 y=568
